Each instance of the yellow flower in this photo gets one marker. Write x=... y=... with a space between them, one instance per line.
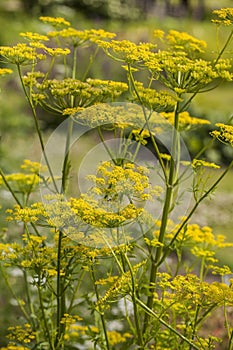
x=20 y=54
x=57 y=51
x=34 y=36
x=184 y=41
x=55 y=21
x=225 y=134
x=224 y=15
x=22 y=334
x=153 y=99
x=185 y=120
x=117 y=338
x=140 y=135
x=158 y=33
x=20 y=182
x=202 y=163
x=4 y=71
x=79 y=37
x=127 y=51
x=33 y=167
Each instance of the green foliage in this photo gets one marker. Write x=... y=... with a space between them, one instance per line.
x=125 y=246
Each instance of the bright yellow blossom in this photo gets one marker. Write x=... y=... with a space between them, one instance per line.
x=224 y=15
x=34 y=36
x=4 y=71
x=21 y=54
x=225 y=134
x=55 y=21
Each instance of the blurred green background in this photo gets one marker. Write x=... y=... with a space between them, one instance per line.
x=130 y=19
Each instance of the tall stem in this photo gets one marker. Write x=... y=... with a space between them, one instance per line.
x=135 y=305
x=165 y=214
x=60 y=295
x=101 y=315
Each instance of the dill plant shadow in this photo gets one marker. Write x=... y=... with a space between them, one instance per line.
x=81 y=290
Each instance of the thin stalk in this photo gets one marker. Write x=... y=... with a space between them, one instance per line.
x=66 y=162
x=59 y=294
x=230 y=344
x=195 y=324
x=19 y=302
x=9 y=188
x=101 y=315
x=111 y=155
x=224 y=48
x=75 y=290
x=164 y=323
x=147 y=124
x=28 y=297
x=38 y=130
x=135 y=306
x=15 y=198
x=66 y=165
x=167 y=249
x=165 y=214
x=91 y=60
x=46 y=327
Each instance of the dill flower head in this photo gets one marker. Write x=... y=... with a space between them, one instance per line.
x=197 y=163
x=224 y=16
x=186 y=121
x=184 y=41
x=4 y=71
x=127 y=51
x=225 y=134
x=34 y=36
x=55 y=21
x=21 y=54
x=23 y=334
x=80 y=37
x=57 y=94
x=156 y=100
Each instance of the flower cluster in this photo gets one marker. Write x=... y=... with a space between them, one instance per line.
x=26 y=181
x=225 y=134
x=182 y=41
x=21 y=54
x=186 y=121
x=66 y=95
x=22 y=334
x=224 y=15
x=127 y=51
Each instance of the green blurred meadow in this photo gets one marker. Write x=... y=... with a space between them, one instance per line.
x=17 y=137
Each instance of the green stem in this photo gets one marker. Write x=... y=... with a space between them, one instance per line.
x=19 y=301
x=167 y=249
x=194 y=327
x=15 y=198
x=91 y=60
x=135 y=304
x=66 y=162
x=147 y=124
x=165 y=214
x=9 y=188
x=59 y=294
x=164 y=323
x=44 y=317
x=230 y=344
x=101 y=315
x=111 y=155
x=38 y=130
x=224 y=48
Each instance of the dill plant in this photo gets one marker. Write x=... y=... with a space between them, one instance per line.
x=82 y=268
